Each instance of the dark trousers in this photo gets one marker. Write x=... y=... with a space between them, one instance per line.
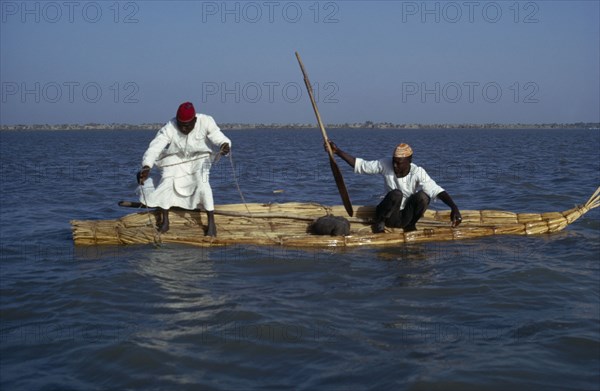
x=389 y=211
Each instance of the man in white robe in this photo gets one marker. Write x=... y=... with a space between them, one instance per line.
x=409 y=189
x=184 y=150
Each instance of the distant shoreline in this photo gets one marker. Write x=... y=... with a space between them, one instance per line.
x=364 y=125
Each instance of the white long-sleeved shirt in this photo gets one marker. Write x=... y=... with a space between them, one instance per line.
x=171 y=147
x=417 y=178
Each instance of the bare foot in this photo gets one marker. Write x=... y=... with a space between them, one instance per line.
x=212 y=227
x=163 y=224
x=379 y=227
x=211 y=230
x=164 y=227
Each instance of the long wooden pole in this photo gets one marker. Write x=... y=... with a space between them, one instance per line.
x=337 y=174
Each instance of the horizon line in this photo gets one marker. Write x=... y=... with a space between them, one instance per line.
x=365 y=124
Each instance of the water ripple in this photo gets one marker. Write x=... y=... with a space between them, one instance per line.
x=495 y=313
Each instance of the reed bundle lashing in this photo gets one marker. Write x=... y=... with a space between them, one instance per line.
x=286 y=224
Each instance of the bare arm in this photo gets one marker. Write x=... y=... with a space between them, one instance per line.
x=351 y=160
x=455 y=216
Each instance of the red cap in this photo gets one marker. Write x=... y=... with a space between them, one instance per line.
x=186 y=112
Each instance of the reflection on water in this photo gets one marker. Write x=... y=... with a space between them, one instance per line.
x=497 y=311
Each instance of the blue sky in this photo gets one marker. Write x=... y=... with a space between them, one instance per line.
x=383 y=61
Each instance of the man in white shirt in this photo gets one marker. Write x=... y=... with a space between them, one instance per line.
x=409 y=189
x=184 y=150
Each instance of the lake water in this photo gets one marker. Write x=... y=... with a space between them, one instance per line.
x=506 y=312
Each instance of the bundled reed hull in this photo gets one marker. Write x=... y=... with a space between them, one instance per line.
x=286 y=225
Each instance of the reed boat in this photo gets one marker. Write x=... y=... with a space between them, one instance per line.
x=286 y=224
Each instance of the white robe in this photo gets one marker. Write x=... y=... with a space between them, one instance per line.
x=185 y=162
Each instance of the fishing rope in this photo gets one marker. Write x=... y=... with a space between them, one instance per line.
x=237 y=185
x=157 y=239
x=215 y=161
x=235 y=180
x=200 y=156
x=203 y=156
